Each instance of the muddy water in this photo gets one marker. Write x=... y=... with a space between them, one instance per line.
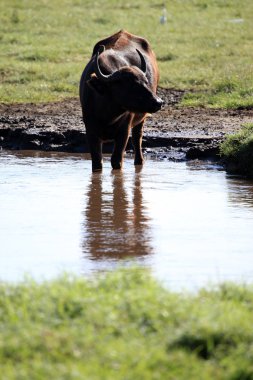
x=188 y=222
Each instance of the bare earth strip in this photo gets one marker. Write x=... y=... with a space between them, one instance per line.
x=177 y=132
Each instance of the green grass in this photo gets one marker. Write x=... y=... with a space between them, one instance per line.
x=124 y=325
x=237 y=151
x=45 y=45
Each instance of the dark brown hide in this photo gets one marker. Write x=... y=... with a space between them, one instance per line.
x=117 y=91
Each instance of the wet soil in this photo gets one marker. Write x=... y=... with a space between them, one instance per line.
x=176 y=132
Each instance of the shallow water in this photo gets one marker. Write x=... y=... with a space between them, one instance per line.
x=188 y=222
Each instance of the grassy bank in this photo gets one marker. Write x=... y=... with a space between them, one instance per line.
x=206 y=45
x=237 y=151
x=124 y=326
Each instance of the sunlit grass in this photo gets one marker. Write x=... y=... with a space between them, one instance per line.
x=237 y=150
x=124 y=326
x=45 y=45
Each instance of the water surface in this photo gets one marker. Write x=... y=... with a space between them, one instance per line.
x=188 y=222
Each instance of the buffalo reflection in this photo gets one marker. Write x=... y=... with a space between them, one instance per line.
x=116 y=220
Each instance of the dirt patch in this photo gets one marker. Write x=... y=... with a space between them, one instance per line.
x=175 y=132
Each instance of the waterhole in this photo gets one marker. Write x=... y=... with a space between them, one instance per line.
x=189 y=223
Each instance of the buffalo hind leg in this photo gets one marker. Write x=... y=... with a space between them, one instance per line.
x=95 y=145
x=137 y=142
x=120 y=144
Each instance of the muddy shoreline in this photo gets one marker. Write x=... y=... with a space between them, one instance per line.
x=177 y=133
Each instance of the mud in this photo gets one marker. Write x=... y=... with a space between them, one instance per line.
x=176 y=132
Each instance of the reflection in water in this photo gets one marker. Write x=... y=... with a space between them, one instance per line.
x=189 y=225
x=240 y=192
x=117 y=222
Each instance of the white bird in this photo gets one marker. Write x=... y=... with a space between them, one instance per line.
x=163 y=18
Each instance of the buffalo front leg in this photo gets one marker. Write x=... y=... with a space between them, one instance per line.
x=95 y=145
x=137 y=142
x=120 y=144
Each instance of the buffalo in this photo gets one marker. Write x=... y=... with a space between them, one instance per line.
x=117 y=92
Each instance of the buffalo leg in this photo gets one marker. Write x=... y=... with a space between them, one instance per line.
x=137 y=141
x=95 y=145
x=119 y=148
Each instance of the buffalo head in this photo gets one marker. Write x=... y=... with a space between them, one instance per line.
x=129 y=86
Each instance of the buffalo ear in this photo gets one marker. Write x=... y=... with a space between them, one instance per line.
x=96 y=85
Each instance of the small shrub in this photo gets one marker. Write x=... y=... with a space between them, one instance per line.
x=166 y=57
x=226 y=85
x=15 y=17
x=237 y=151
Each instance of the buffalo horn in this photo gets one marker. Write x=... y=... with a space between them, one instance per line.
x=98 y=72
x=143 y=62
